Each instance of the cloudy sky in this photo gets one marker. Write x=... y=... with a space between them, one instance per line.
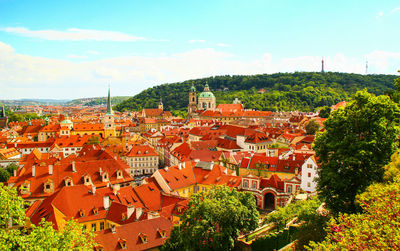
x=72 y=49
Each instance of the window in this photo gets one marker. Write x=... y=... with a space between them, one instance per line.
x=309 y=174
x=84 y=227
x=94 y=226
x=289 y=188
x=309 y=165
x=246 y=183
x=308 y=184
x=254 y=184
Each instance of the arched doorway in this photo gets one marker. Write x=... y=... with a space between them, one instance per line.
x=269 y=201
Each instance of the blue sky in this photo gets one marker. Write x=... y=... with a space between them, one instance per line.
x=72 y=49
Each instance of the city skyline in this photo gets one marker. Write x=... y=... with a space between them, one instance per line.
x=69 y=50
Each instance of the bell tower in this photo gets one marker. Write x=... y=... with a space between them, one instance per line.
x=192 y=101
x=108 y=120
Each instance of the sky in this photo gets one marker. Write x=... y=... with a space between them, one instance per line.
x=74 y=49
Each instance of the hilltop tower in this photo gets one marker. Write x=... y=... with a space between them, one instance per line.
x=108 y=119
x=192 y=107
x=322 y=69
x=366 y=67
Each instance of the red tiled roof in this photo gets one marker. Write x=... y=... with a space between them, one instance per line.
x=141 y=150
x=130 y=234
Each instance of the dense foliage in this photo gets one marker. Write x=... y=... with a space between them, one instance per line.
x=355 y=145
x=303 y=91
x=312 y=127
x=41 y=237
x=214 y=220
x=377 y=228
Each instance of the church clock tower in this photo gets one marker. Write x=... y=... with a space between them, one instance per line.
x=192 y=101
x=108 y=120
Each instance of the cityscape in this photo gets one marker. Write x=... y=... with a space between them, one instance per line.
x=178 y=132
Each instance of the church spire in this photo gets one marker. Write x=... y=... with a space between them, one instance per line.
x=109 y=108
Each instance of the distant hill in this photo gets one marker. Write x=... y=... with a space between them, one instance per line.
x=304 y=91
x=34 y=101
x=97 y=101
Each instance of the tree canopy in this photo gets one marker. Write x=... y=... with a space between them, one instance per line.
x=377 y=228
x=357 y=142
x=312 y=127
x=41 y=237
x=214 y=220
x=303 y=91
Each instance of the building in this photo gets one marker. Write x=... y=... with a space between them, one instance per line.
x=192 y=107
x=142 y=160
x=206 y=99
x=3 y=118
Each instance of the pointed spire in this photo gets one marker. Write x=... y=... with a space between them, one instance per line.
x=109 y=108
x=192 y=88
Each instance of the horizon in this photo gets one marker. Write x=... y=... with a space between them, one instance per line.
x=54 y=50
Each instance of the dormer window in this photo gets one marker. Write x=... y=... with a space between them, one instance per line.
x=254 y=184
x=162 y=233
x=122 y=243
x=99 y=248
x=68 y=182
x=48 y=186
x=246 y=183
x=25 y=187
x=81 y=213
x=119 y=174
x=104 y=177
x=143 y=237
x=95 y=210
x=87 y=180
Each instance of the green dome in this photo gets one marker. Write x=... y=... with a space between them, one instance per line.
x=67 y=121
x=206 y=95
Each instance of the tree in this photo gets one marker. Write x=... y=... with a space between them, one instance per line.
x=4 y=175
x=325 y=112
x=41 y=237
x=11 y=167
x=312 y=127
x=214 y=220
x=357 y=142
x=375 y=229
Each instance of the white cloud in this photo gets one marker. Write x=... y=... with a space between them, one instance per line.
x=36 y=77
x=223 y=45
x=197 y=41
x=74 y=34
x=381 y=59
x=380 y=14
x=395 y=10
x=92 y=52
x=77 y=56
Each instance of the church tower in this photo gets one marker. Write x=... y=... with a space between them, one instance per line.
x=160 y=105
x=192 y=101
x=3 y=118
x=108 y=120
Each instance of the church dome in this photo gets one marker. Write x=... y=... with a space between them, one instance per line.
x=206 y=93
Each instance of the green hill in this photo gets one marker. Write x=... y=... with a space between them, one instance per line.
x=97 y=101
x=304 y=91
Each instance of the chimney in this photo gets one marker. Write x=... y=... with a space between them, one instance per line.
x=115 y=189
x=139 y=212
x=113 y=230
x=106 y=202
x=73 y=167
x=129 y=211
x=93 y=189
x=33 y=171
x=166 y=169
x=180 y=166
x=15 y=173
x=100 y=171
x=294 y=156
x=50 y=169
